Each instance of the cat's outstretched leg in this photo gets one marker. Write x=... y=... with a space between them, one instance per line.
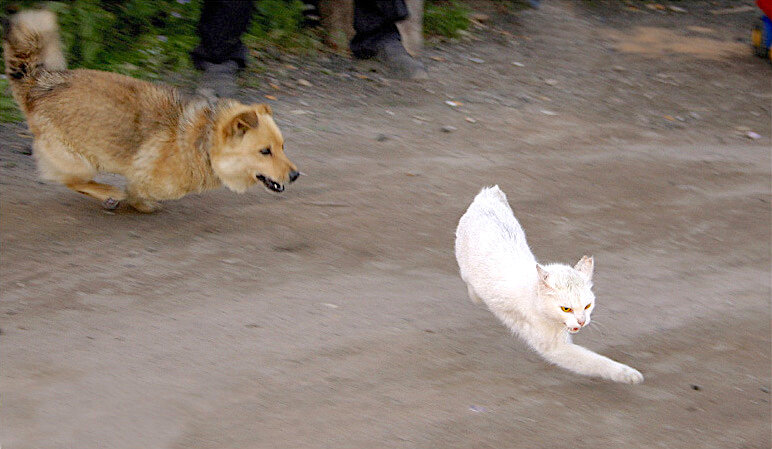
x=583 y=361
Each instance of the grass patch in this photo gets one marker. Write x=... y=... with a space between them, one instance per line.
x=279 y=23
x=150 y=38
x=446 y=18
x=9 y=113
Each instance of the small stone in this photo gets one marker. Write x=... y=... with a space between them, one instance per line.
x=765 y=390
x=381 y=137
x=470 y=119
x=547 y=112
x=676 y=8
x=618 y=68
x=133 y=234
x=480 y=17
x=26 y=150
x=550 y=82
x=694 y=115
x=696 y=387
x=752 y=135
x=518 y=64
x=453 y=104
x=448 y=129
x=304 y=83
x=230 y=261
x=477 y=60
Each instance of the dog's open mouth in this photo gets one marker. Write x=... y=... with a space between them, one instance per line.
x=270 y=184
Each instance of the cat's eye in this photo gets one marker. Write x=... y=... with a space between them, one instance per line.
x=566 y=309
x=587 y=306
x=265 y=151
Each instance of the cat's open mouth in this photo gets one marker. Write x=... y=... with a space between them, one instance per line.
x=574 y=330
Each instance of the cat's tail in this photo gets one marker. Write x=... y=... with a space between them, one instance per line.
x=494 y=193
x=30 y=44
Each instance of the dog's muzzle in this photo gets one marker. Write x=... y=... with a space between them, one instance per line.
x=270 y=184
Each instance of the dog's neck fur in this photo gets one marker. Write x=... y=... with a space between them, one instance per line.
x=196 y=135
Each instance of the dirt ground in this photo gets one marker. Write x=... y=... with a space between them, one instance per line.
x=333 y=316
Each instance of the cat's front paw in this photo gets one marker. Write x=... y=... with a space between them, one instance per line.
x=627 y=375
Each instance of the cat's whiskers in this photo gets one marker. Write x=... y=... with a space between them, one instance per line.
x=597 y=327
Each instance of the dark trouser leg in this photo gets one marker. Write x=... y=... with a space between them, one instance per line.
x=374 y=23
x=377 y=38
x=221 y=25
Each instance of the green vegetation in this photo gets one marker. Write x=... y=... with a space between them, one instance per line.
x=279 y=23
x=146 y=39
x=9 y=113
x=151 y=38
x=445 y=18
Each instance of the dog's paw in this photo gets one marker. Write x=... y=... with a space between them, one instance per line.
x=111 y=203
x=627 y=375
x=145 y=206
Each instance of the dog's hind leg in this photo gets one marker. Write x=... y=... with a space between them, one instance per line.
x=57 y=162
x=110 y=196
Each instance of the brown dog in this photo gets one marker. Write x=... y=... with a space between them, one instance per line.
x=89 y=121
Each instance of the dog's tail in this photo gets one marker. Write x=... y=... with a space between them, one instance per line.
x=30 y=46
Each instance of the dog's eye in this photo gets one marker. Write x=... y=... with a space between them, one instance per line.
x=265 y=151
x=566 y=309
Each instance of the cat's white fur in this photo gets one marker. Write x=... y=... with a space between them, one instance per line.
x=500 y=270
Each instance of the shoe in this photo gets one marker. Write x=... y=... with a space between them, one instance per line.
x=398 y=62
x=218 y=80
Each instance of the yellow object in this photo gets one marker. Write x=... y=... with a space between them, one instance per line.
x=756 y=38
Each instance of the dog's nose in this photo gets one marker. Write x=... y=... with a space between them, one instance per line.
x=293 y=175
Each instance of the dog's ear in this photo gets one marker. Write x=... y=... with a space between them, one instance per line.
x=263 y=108
x=242 y=123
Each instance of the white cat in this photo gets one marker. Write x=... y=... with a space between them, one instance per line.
x=543 y=304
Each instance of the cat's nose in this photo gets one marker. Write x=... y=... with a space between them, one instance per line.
x=581 y=321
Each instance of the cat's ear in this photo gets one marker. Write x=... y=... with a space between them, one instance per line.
x=543 y=276
x=585 y=266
